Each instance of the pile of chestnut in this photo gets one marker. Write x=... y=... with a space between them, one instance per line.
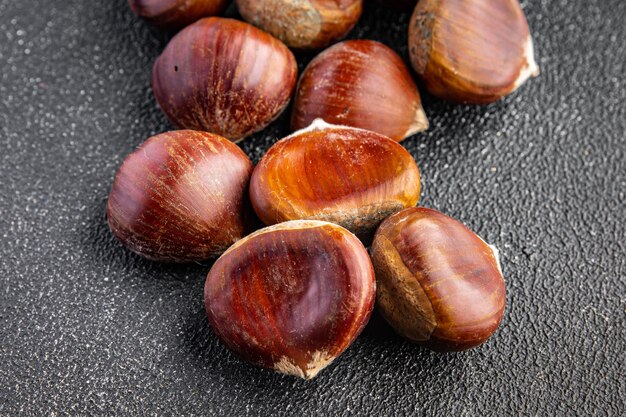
x=294 y=295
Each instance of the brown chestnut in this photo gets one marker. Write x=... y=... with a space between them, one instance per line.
x=360 y=83
x=175 y=14
x=291 y=297
x=352 y=177
x=303 y=24
x=181 y=196
x=224 y=76
x=439 y=284
x=471 y=51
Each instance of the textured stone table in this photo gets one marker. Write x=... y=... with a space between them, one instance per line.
x=86 y=328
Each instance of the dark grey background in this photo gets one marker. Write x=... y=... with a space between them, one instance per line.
x=87 y=328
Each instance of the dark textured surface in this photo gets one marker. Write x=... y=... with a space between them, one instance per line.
x=86 y=328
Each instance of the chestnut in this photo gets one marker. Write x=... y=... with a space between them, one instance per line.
x=360 y=83
x=181 y=196
x=352 y=177
x=175 y=14
x=439 y=284
x=471 y=51
x=291 y=297
x=303 y=24
x=224 y=76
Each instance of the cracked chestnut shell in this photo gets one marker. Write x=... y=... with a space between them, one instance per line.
x=181 y=196
x=175 y=14
x=352 y=177
x=291 y=297
x=471 y=51
x=439 y=284
x=303 y=24
x=360 y=83
x=224 y=76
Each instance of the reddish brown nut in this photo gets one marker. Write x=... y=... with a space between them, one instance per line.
x=225 y=77
x=348 y=176
x=360 y=83
x=291 y=297
x=181 y=196
x=175 y=14
x=471 y=51
x=439 y=284
x=303 y=24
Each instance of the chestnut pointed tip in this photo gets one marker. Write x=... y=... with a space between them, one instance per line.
x=531 y=69
x=317 y=124
x=495 y=252
x=319 y=361
x=420 y=123
x=496 y=255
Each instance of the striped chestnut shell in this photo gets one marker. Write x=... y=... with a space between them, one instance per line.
x=352 y=177
x=181 y=196
x=471 y=51
x=291 y=297
x=439 y=284
x=176 y=14
x=360 y=83
x=224 y=76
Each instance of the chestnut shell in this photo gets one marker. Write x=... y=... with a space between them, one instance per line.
x=224 y=76
x=176 y=14
x=352 y=177
x=471 y=51
x=439 y=284
x=291 y=297
x=360 y=83
x=303 y=24
x=181 y=196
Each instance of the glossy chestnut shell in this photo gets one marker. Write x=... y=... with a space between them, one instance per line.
x=360 y=83
x=471 y=51
x=291 y=297
x=352 y=177
x=439 y=284
x=303 y=24
x=224 y=76
x=176 y=14
x=181 y=196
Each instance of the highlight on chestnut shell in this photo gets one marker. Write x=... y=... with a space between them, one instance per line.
x=439 y=284
x=360 y=83
x=181 y=196
x=224 y=76
x=351 y=177
x=303 y=24
x=291 y=297
x=176 y=14
x=471 y=51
